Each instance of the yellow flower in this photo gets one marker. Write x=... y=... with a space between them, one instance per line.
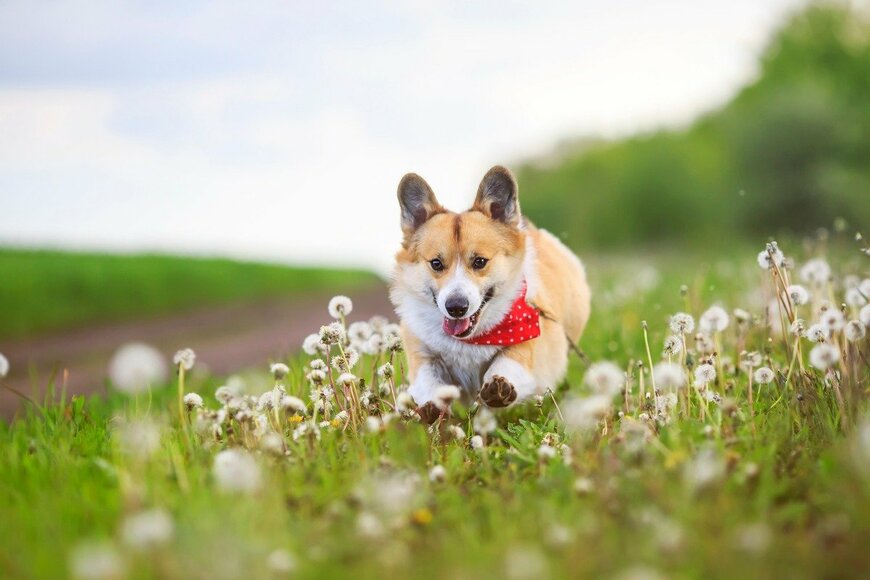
x=422 y=516
x=295 y=419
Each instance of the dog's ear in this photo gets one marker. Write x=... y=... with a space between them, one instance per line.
x=497 y=196
x=417 y=201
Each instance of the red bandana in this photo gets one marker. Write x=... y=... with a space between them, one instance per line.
x=522 y=323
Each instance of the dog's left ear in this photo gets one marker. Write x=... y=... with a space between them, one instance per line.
x=497 y=196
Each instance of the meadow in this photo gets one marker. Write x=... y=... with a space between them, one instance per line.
x=714 y=426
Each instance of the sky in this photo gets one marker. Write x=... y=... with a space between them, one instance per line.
x=278 y=131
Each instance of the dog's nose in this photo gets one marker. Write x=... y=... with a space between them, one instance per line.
x=456 y=305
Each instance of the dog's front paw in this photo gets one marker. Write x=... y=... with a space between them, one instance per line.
x=429 y=413
x=498 y=392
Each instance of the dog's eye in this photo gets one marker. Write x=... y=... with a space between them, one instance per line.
x=478 y=263
x=436 y=265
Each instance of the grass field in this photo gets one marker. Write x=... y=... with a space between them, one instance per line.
x=50 y=290
x=690 y=481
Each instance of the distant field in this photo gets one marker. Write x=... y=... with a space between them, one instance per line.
x=50 y=290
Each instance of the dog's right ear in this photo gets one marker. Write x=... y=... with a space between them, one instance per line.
x=417 y=201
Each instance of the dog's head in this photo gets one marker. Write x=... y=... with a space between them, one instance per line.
x=466 y=267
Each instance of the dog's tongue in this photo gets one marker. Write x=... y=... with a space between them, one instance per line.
x=455 y=327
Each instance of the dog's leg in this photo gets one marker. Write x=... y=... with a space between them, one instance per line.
x=509 y=378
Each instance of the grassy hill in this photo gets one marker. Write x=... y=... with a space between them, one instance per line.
x=48 y=290
x=790 y=152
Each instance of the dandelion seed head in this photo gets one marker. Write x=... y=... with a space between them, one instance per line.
x=185 y=359
x=484 y=422
x=771 y=256
x=148 y=529
x=751 y=359
x=133 y=369
x=682 y=323
x=405 y=402
x=743 y=317
x=456 y=432
x=236 y=471
x=347 y=379
x=705 y=373
x=139 y=438
x=833 y=319
x=815 y=271
x=704 y=470
x=669 y=376
x=340 y=306
x=818 y=333
x=855 y=298
x=854 y=331
x=192 y=401
x=798 y=294
x=373 y=424
x=279 y=370
x=368 y=525
x=273 y=444
x=476 y=442
x=798 y=327
x=703 y=344
x=864 y=315
x=96 y=561
x=316 y=377
x=824 y=356
x=332 y=333
x=583 y=414
x=673 y=345
x=359 y=332
x=293 y=404
x=605 y=378
x=385 y=371
x=446 y=394
x=437 y=474
x=313 y=345
x=763 y=376
x=376 y=344
x=4 y=366
x=715 y=319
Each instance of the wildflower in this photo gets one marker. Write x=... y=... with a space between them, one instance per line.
x=818 y=333
x=312 y=345
x=344 y=364
x=703 y=344
x=376 y=344
x=605 y=378
x=347 y=379
x=293 y=404
x=393 y=343
x=798 y=294
x=713 y=397
x=854 y=331
x=763 y=376
x=477 y=442
x=369 y=525
x=750 y=360
x=669 y=376
x=147 y=529
x=833 y=319
x=705 y=373
x=236 y=471
x=359 y=332
x=281 y=561
x=484 y=422
x=682 y=323
x=273 y=444
x=342 y=416
x=134 y=368
x=771 y=256
x=4 y=366
x=316 y=377
x=139 y=438
x=798 y=327
x=742 y=317
x=340 y=306
x=405 y=402
x=96 y=561
x=583 y=414
x=546 y=452
x=266 y=401
x=385 y=371
x=816 y=271
x=456 y=432
x=823 y=356
x=673 y=345
x=279 y=371
x=373 y=424
x=705 y=469
x=192 y=401
x=185 y=359
x=855 y=298
x=445 y=395
x=864 y=315
x=332 y=333
x=437 y=474
x=714 y=320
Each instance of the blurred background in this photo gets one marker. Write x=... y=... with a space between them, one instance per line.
x=203 y=173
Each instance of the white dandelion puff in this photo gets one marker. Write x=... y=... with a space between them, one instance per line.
x=456 y=432
x=706 y=469
x=340 y=306
x=818 y=333
x=484 y=422
x=133 y=369
x=385 y=371
x=583 y=414
x=477 y=442
x=855 y=298
x=605 y=378
x=184 y=358
x=445 y=395
x=798 y=294
x=293 y=404
x=771 y=256
x=405 y=402
x=236 y=471
x=705 y=373
x=715 y=319
x=864 y=315
x=347 y=379
x=192 y=401
x=147 y=529
x=798 y=327
x=854 y=331
x=279 y=370
x=682 y=323
x=816 y=271
x=312 y=345
x=332 y=333
x=669 y=376
x=4 y=366
x=673 y=345
x=546 y=452
x=824 y=356
x=763 y=376
x=96 y=561
x=139 y=438
x=359 y=332
x=833 y=319
x=437 y=474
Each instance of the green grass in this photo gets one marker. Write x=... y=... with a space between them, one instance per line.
x=50 y=290
x=791 y=500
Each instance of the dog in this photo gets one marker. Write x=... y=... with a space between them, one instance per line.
x=487 y=301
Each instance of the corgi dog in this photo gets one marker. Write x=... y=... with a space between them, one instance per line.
x=487 y=301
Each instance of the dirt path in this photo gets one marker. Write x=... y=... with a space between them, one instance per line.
x=226 y=339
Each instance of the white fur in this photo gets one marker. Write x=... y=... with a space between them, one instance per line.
x=515 y=373
x=460 y=283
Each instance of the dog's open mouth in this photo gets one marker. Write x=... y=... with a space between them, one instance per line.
x=463 y=327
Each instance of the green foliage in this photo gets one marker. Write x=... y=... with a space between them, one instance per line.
x=789 y=152
x=47 y=290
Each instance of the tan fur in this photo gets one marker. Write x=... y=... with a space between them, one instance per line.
x=516 y=251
